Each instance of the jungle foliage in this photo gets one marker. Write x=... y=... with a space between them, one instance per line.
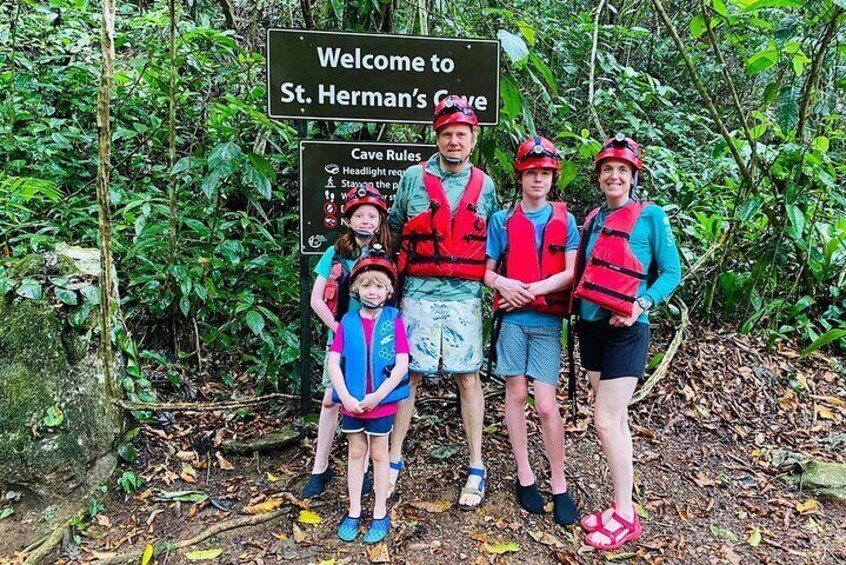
x=204 y=184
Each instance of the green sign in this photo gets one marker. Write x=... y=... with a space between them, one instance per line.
x=377 y=78
x=330 y=169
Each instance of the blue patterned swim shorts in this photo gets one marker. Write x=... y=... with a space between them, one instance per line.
x=445 y=335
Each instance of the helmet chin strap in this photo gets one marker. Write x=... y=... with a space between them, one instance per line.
x=372 y=305
x=364 y=234
x=454 y=160
x=633 y=191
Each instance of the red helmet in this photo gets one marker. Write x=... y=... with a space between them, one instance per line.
x=453 y=109
x=537 y=153
x=365 y=194
x=378 y=260
x=623 y=148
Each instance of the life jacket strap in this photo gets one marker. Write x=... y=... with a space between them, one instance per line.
x=610 y=292
x=619 y=269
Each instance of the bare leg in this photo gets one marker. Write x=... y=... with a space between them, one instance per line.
x=516 y=392
x=326 y=427
x=472 y=416
x=402 y=421
x=355 y=470
x=611 y=421
x=546 y=403
x=381 y=474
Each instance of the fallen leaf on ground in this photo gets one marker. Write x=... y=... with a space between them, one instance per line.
x=224 y=464
x=299 y=534
x=148 y=554
x=824 y=412
x=203 y=554
x=379 y=554
x=547 y=539
x=754 y=538
x=432 y=507
x=188 y=473
x=808 y=507
x=479 y=537
x=271 y=478
x=186 y=455
x=327 y=562
x=723 y=534
x=263 y=507
x=501 y=547
x=103 y=520
x=308 y=517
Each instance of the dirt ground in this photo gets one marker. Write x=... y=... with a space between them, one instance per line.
x=710 y=481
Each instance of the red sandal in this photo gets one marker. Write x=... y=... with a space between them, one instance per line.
x=598 y=516
x=628 y=531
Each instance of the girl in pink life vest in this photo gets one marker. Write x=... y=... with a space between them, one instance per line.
x=368 y=365
x=365 y=214
x=531 y=252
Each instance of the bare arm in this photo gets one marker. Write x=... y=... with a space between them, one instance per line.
x=558 y=281
x=515 y=293
x=337 y=378
x=319 y=306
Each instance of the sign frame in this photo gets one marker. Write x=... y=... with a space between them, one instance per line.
x=494 y=101
x=424 y=147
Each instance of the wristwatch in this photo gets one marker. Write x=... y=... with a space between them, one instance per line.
x=645 y=303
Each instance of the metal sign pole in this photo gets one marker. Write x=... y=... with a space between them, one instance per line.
x=305 y=311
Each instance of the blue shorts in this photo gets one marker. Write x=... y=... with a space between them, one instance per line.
x=371 y=426
x=614 y=352
x=533 y=351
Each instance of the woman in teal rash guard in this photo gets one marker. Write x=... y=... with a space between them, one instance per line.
x=627 y=264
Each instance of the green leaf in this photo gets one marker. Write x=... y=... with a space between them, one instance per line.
x=762 y=60
x=823 y=340
x=223 y=156
x=203 y=555
x=750 y=208
x=91 y=294
x=6 y=513
x=697 y=26
x=80 y=315
x=796 y=227
x=66 y=296
x=723 y=534
x=527 y=31
x=148 y=554
x=511 y=97
x=787 y=114
x=498 y=548
x=820 y=143
x=54 y=417
x=569 y=172
x=29 y=288
x=798 y=63
x=544 y=70
x=720 y=8
x=513 y=45
x=255 y=321
x=127 y=452
x=754 y=538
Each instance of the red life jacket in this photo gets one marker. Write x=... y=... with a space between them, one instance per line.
x=523 y=261
x=336 y=293
x=611 y=276
x=437 y=244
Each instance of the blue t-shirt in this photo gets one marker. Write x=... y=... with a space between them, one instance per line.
x=498 y=239
x=324 y=269
x=651 y=240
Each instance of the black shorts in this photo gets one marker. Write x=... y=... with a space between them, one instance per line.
x=614 y=352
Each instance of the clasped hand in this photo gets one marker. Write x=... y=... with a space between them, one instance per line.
x=354 y=406
x=516 y=294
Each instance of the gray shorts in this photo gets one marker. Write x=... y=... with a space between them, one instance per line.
x=533 y=351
